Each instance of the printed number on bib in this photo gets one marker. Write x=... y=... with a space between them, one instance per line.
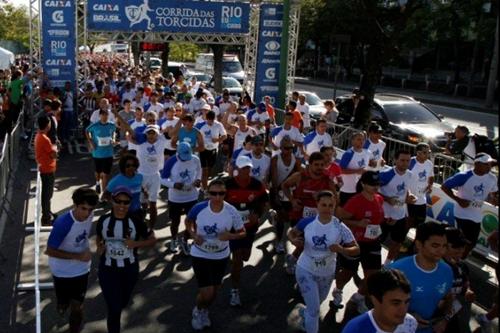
x=309 y=212
x=476 y=204
x=320 y=264
x=373 y=231
x=116 y=249
x=105 y=141
x=212 y=246
x=152 y=159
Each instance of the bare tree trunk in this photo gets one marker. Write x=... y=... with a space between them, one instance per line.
x=490 y=95
x=218 y=55
x=164 y=59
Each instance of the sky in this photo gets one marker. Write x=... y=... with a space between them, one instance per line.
x=19 y=2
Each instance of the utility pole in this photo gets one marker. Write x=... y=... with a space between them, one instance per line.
x=490 y=93
x=283 y=77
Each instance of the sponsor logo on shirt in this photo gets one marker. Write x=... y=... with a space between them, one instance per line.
x=320 y=242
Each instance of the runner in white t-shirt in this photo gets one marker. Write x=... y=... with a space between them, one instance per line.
x=423 y=178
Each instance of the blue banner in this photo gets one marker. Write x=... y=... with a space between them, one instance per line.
x=269 y=52
x=59 y=41
x=185 y=16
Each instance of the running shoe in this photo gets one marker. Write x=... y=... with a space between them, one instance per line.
x=197 y=321
x=173 y=245
x=336 y=302
x=279 y=247
x=484 y=323
x=290 y=263
x=185 y=248
x=205 y=318
x=235 y=298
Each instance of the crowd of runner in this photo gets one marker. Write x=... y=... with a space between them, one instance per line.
x=335 y=213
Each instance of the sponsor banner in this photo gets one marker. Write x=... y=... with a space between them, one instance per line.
x=441 y=208
x=185 y=16
x=269 y=52
x=59 y=37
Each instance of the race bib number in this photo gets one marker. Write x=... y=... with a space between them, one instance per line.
x=116 y=249
x=322 y=264
x=105 y=141
x=212 y=246
x=373 y=231
x=152 y=159
x=309 y=212
x=476 y=204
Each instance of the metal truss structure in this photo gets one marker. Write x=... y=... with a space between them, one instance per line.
x=250 y=40
x=35 y=48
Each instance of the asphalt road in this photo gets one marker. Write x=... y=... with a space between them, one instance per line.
x=477 y=122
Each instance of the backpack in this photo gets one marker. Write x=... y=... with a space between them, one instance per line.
x=484 y=144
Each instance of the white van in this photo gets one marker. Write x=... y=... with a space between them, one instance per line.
x=231 y=65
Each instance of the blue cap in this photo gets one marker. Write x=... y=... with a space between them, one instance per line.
x=184 y=151
x=121 y=190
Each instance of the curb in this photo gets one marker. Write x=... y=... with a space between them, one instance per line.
x=426 y=100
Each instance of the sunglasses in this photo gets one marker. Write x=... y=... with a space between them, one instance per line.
x=216 y=193
x=121 y=202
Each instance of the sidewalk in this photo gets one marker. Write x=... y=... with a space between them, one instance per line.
x=461 y=102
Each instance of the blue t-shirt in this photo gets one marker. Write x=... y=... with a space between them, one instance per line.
x=134 y=184
x=102 y=137
x=365 y=323
x=191 y=137
x=428 y=288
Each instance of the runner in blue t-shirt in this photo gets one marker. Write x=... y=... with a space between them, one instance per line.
x=430 y=278
x=389 y=292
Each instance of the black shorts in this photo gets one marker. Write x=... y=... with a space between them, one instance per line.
x=370 y=257
x=209 y=272
x=418 y=213
x=244 y=243
x=69 y=289
x=397 y=231
x=132 y=152
x=103 y=165
x=169 y=152
x=177 y=209
x=208 y=158
x=344 y=197
x=470 y=229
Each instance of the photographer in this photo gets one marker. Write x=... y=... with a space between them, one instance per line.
x=460 y=144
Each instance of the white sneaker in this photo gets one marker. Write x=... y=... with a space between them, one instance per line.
x=279 y=247
x=185 y=248
x=337 y=299
x=235 y=298
x=197 y=321
x=173 y=245
x=483 y=322
x=290 y=263
x=205 y=318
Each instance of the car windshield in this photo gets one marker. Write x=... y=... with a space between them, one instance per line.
x=231 y=66
x=202 y=77
x=312 y=99
x=154 y=62
x=231 y=83
x=409 y=113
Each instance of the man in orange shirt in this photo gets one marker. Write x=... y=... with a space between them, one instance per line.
x=297 y=121
x=45 y=155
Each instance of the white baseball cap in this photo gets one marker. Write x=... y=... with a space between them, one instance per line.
x=484 y=158
x=243 y=162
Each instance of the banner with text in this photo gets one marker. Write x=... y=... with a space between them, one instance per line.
x=59 y=41
x=184 y=16
x=268 y=53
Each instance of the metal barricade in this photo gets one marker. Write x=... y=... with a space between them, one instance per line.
x=446 y=166
x=393 y=145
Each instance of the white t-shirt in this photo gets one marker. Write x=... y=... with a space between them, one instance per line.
x=209 y=132
x=169 y=123
x=224 y=106
x=239 y=137
x=304 y=110
x=421 y=172
x=314 y=141
x=396 y=186
x=278 y=133
x=317 y=258
x=256 y=117
x=130 y=95
x=69 y=235
x=157 y=108
x=353 y=160
x=185 y=172
x=209 y=225
x=377 y=150
x=261 y=167
x=94 y=118
x=151 y=156
x=135 y=124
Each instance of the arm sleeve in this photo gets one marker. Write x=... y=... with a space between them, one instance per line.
x=301 y=226
x=457 y=180
x=61 y=228
x=346 y=159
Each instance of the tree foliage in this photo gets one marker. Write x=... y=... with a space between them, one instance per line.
x=14 y=24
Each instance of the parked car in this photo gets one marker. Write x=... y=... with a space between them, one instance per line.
x=231 y=84
x=403 y=118
x=316 y=104
x=154 y=63
x=231 y=65
x=200 y=77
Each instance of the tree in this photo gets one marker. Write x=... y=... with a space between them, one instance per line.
x=14 y=24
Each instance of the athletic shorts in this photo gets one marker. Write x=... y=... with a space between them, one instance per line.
x=470 y=229
x=208 y=158
x=132 y=152
x=244 y=243
x=209 y=272
x=68 y=289
x=418 y=213
x=370 y=257
x=151 y=183
x=344 y=197
x=169 y=152
x=103 y=165
x=177 y=209
x=397 y=231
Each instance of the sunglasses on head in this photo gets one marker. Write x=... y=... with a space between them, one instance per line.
x=121 y=202
x=217 y=193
